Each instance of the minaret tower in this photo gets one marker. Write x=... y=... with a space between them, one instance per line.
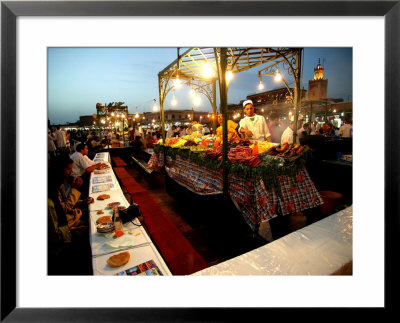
x=318 y=87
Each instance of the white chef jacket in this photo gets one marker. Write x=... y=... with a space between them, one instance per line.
x=258 y=127
x=80 y=163
x=287 y=136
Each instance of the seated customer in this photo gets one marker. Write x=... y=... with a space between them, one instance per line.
x=83 y=166
x=82 y=163
x=65 y=188
x=68 y=246
x=68 y=191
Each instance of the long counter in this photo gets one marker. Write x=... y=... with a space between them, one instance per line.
x=143 y=254
x=321 y=248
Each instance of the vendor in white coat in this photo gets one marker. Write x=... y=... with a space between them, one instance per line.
x=253 y=126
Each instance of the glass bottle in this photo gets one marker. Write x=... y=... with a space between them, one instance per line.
x=118 y=226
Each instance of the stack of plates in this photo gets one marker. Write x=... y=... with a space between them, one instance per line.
x=105 y=227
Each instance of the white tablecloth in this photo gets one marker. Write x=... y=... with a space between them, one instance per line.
x=320 y=248
x=135 y=239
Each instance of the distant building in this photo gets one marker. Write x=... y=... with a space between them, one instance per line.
x=175 y=116
x=318 y=87
x=278 y=101
x=86 y=121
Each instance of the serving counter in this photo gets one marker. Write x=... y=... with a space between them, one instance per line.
x=143 y=254
x=322 y=248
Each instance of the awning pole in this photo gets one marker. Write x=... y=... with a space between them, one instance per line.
x=223 y=97
x=296 y=93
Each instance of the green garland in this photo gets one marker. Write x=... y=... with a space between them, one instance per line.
x=269 y=169
x=158 y=149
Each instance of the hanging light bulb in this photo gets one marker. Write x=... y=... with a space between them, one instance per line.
x=174 y=101
x=177 y=83
x=192 y=92
x=207 y=71
x=197 y=100
x=278 y=76
x=137 y=115
x=155 y=107
x=228 y=76
x=261 y=85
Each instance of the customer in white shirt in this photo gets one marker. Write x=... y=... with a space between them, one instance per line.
x=82 y=163
x=287 y=135
x=171 y=132
x=346 y=131
x=253 y=126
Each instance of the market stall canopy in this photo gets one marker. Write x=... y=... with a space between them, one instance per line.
x=199 y=64
x=201 y=68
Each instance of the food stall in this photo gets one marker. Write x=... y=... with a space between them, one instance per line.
x=263 y=184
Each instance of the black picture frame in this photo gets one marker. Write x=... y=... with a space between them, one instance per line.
x=10 y=10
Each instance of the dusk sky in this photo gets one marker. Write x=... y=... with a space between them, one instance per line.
x=78 y=78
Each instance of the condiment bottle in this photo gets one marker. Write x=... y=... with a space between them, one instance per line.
x=255 y=148
x=118 y=226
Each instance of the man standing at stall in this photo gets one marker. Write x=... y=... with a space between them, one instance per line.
x=253 y=126
x=287 y=135
x=274 y=128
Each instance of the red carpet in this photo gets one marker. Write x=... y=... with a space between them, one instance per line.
x=177 y=252
x=122 y=173
x=118 y=162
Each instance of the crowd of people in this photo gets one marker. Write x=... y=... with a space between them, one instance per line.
x=68 y=198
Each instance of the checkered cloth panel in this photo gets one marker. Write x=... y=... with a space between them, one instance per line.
x=198 y=178
x=298 y=193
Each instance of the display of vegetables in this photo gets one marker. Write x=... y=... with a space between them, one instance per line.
x=179 y=144
x=190 y=143
x=171 y=141
x=198 y=148
x=242 y=152
x=263 y=146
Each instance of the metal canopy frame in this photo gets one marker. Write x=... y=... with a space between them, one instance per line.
x=188 y=68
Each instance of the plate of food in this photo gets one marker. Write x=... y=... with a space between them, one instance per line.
x=113 y=204
x=105 y=227
x=104 y=219
x=103 y=197
x=119 y=260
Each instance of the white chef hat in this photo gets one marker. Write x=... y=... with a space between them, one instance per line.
x=247 y=102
